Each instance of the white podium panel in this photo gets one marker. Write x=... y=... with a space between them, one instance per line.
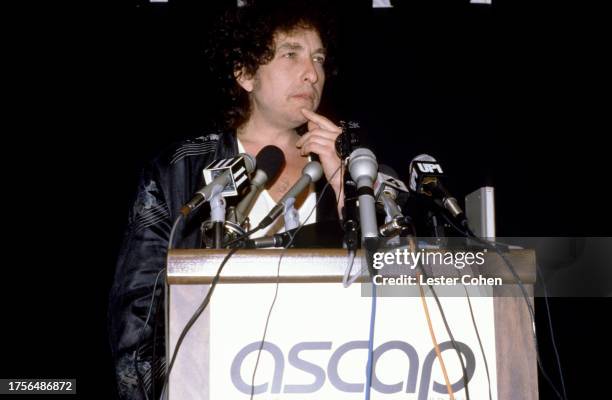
x=317 y=335
x=316 y=344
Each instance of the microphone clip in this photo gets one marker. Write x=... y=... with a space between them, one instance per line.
x=348 y=140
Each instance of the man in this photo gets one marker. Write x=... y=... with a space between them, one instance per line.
x=283 y=95
x=272 y=65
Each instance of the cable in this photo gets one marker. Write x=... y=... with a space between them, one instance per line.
x=493 y=245
x=347 y=280
x=369 y=366
x=341 y=187
x=239 y=238
x=448 y=331
x=484 y=357
x=214 y=282
x=206 y=300
x=173 y=231
x=552 y=334
x=195 y=316
x=263 y=339
x=435 y=341
x=531 y=314
x=413 y=245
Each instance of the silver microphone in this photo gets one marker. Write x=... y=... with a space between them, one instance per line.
x=387 y=189
x=312 y=172
x=363 y=169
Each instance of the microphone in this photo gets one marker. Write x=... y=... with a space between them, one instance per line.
x=363 y=169
x=226 y=177
x=277 y=240
x=312 y=172
x=387 y=189
x=348 y=140
x=269 y=162
x=350 y=219
x=425 y=174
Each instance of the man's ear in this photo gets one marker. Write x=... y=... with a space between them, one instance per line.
x=244 y=80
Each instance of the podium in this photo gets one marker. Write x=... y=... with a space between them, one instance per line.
x=315 y=336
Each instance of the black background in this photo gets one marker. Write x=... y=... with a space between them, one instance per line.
x=511 y=95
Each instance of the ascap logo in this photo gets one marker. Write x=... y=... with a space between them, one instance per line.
x=320 y=374
x=429 y=168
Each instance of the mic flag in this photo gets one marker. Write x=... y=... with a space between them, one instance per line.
x=224 y=177
x=425 y=174
x=238 y=168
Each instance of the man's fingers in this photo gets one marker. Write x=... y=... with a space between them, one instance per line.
x=317 y=145
x=313 y=147
x=317 y=133
x=327 y=142
x=319 y=120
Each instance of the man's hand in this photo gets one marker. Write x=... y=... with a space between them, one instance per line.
x=321 y=140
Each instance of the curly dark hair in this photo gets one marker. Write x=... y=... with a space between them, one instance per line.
x=243 y=39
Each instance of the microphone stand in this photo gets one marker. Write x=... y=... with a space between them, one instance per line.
x=350 y=216
x=217 y=216
x=396 y=223
x=291 y=216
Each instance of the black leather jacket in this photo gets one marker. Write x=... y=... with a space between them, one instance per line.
x=165 y=185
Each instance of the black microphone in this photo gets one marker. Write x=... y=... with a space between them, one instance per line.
x=350 y=216
x=226 y=177
x=312 y=172
x=425 y=174
x=270 y=161
x=388 y=189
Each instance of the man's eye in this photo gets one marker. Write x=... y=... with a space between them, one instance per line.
x=290 y=54
x=319 y=59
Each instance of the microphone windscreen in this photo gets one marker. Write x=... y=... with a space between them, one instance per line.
x=363 y=166
x=397 y=188
x=270 y=160
x=413 y=173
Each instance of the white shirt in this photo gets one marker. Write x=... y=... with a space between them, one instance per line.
x=264 y=204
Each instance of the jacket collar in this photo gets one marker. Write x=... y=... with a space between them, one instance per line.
x=227 y=146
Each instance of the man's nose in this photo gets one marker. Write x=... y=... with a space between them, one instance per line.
x=310 y=71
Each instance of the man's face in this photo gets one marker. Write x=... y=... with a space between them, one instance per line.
x=293 y=80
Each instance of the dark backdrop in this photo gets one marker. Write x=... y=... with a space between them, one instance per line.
x=505 y=95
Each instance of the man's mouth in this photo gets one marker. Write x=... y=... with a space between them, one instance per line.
x=305 y=96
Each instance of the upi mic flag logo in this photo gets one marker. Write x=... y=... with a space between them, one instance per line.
x=429 y=167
